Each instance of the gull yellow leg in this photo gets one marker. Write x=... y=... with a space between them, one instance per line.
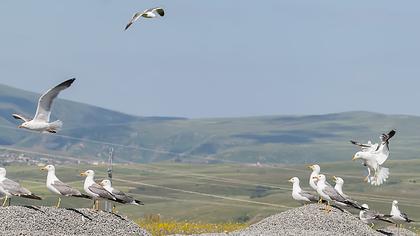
x=5 y=200
x=58 y=203
x=114 y=209
x=94 y=204
x=97 y=205
x=320 y=200
x=366 y=179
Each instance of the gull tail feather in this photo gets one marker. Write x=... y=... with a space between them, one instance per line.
x=82 y=196
x=55 y=126
x=31 y=196
x=355 y=205
x=380 y=176
x=138 y=202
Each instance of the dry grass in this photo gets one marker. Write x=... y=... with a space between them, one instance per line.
x=157 y=227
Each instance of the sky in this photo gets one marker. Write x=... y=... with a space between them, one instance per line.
x=218 y=58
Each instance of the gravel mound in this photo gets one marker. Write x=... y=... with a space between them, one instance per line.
x=311 y=220
x=21 y=220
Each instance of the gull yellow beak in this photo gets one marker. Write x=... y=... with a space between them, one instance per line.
x=83 y=174
x=334 y=178
x=354 y=158
x=311 y=167
x=290 y=180
x=315 y=177
x=20 y=126
x=43 y=168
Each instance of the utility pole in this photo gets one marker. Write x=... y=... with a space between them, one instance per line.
x=110 y=157
x=108 y=204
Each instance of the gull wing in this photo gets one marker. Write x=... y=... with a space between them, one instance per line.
x=309 y=196
x=333 y=194
x=122 y=196
x=14 y=188
x=65 y=189
x=370 y=215
x=20 y=117
x=159 y=10
x=388 y=136
x=366 y=147
x=405 y=216
x=103 y=193
x=382 y=152
x=45 y=102
x=135 y=17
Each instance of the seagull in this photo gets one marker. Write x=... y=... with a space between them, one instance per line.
x=10 y=188
x=397 y=216
x=368 y=216
x=96 y=191
x=339 y=182
x=60 y=188
x=373 y=156
x=124 y=198
x=299 y=195
x=315 y=172
x=327 y=192
x=41 y=120
x=148 y=13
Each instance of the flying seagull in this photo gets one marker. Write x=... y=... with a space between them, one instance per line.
x=368 y=216
x=124 y=198
x=148 y=13
x=41 y=120
x=327 y=192
x=373 y=156
x=60 y=188
x=96 y=191
x=299 y=195
x=10 y=188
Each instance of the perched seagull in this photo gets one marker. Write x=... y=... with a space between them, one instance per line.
x=315 y=172
x=148 y=13
x=373 y=156
x=10 y=188
x=41 y=120
x=124 y=198
x=397 y=216
x=368 y=216
x=339 y=182
x=299 y=195
x=60 y=188
x=327 y=192
x=96 y=191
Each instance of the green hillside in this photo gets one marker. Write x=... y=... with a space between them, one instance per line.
x=89 y=131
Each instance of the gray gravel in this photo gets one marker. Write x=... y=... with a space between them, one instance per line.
x=308 y=220
x=19 y=220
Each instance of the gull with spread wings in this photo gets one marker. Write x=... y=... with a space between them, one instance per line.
x=41 y=120
x=373 y=156
x=148 y=13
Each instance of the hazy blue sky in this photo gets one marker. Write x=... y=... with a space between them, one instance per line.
x=218 y=58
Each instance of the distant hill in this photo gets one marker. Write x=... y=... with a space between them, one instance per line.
x=89 y=131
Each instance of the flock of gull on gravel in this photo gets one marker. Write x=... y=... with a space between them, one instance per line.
x=373 y=157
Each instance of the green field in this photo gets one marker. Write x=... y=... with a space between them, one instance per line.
x=227 y=192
